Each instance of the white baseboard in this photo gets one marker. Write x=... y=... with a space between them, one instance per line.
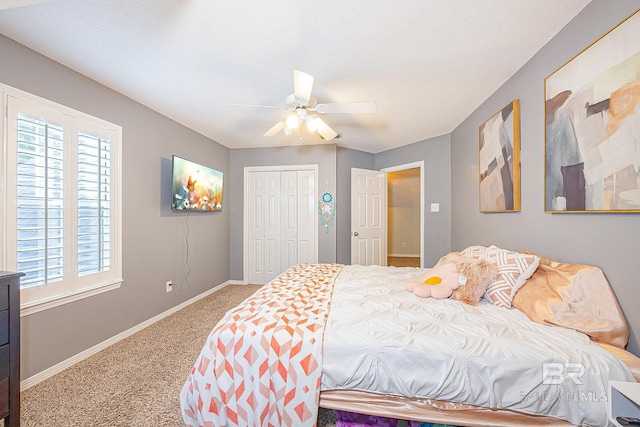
x=55 y=369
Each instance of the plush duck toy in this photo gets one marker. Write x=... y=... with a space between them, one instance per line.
x=455 y=276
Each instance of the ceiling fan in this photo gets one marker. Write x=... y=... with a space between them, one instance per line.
x=303 y=106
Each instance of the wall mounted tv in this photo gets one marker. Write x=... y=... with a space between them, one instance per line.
x=195 y=187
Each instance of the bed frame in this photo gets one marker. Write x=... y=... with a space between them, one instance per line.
x=430 y=410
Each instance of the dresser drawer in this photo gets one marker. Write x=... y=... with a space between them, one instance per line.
x=10 y=348
x=4 y=361
x=4 y=397
x=4 y=297
x=4 y=327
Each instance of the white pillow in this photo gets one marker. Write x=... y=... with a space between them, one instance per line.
x=514 y=268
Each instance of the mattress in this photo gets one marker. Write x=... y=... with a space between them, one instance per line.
x=381 y=339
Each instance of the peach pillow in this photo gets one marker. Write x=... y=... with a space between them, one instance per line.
x=574 y=296
x=514 y=268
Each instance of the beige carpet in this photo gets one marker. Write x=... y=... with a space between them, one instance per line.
x=137 y=381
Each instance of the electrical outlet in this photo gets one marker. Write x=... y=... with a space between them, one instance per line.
x=169 y=285
x=404 y=244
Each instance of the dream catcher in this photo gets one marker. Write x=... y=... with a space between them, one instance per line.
x=327 y=210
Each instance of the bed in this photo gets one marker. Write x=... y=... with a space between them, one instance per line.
x=352 y=338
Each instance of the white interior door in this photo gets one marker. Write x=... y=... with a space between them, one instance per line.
x=255 y=227
x=272 y=229
x=289 y=218
x=280 y=221
x=307 y=219
x=264 y=225
x=368 y=217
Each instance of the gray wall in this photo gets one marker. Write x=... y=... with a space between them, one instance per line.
x=609 y=241
x=322 y=155
x=153 y=236
x=436 y=154
x=347 y=159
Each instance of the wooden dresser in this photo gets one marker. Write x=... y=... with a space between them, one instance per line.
x=10 y=348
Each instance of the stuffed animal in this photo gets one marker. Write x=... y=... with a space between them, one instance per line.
x=455 y=276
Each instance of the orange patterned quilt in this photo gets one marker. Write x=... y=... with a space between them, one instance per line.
x=262 y=363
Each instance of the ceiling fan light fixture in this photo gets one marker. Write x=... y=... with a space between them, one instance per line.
x=312 y=123
x=293 y=121
x=302 y=106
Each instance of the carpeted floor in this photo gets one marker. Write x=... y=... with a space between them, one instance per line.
x=137 y=381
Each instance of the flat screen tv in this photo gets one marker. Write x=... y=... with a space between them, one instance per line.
x=195 y=187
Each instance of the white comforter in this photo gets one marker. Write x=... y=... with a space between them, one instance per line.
x=383 y=339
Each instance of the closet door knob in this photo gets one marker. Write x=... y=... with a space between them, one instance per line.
x=355 y=233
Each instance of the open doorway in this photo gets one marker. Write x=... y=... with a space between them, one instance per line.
x=404 y=217
x=371 y=231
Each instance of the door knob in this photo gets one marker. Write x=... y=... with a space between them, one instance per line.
x=355 y=233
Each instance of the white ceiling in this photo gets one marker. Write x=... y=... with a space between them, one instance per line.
x=426 y=63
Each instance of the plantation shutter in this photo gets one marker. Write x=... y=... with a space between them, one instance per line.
x=40 y=200
x=61 y=209
x=94 y=207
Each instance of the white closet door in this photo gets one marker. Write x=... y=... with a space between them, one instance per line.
x=255 y=227
x=264 y=226
x=307 y=217
x=281 y=222
x=289 y=222
x=272 y=226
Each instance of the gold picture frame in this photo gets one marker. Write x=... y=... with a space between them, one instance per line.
x=592 y=126
x=499 y=161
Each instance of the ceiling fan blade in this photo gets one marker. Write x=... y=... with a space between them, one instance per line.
x=324 y=130
x=302 y=85
x=276 y=128
x=347 y=107
x=254 y=105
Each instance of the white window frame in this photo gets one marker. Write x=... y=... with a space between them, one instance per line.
x=73 y=288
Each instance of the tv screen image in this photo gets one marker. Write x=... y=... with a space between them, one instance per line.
x=195 y=186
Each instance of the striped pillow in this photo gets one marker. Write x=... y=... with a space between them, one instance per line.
x=514 y=268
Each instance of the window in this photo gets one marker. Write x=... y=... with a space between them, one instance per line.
x=61 y=209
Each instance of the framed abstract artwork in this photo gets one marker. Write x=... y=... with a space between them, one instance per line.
x=499 y=161
x=592 y=126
